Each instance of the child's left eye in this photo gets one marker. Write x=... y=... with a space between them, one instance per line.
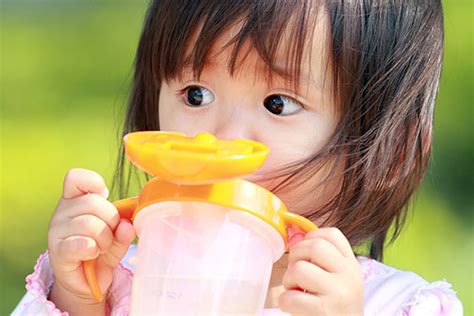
x=282 y=105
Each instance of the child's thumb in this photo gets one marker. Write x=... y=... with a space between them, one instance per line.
x=295 y=235
x=123 y=236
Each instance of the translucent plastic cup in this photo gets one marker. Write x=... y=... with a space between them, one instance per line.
x=207 y=238
x=197 y=258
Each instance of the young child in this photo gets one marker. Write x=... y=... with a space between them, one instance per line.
x=341 y=91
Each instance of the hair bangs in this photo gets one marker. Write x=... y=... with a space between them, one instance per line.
x=277 y=30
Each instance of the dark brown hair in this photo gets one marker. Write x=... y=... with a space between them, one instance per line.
x=386 y=57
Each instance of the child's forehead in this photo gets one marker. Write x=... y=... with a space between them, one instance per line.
x=311 y=58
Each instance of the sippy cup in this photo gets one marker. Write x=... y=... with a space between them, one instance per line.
x=207 y=239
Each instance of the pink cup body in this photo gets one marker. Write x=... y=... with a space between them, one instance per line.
x=197 y=258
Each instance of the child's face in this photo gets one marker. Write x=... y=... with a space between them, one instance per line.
x=293 y=124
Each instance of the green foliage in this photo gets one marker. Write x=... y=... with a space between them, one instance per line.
x=452 y=175
x=66 y=69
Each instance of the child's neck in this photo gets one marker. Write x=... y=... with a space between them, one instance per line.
x=276 y=282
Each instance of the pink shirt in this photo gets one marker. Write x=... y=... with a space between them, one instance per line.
x=388 y=291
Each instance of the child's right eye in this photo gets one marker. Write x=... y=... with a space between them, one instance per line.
x=195 y=96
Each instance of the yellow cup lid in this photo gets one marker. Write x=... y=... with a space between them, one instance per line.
x=236 y=193
x=193 y=160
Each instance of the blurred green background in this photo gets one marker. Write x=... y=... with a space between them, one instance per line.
x=65 y=73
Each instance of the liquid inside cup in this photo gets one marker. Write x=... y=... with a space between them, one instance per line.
x=198 y=296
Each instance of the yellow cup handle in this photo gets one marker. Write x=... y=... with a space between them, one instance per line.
x=301 y=222
x=126 y=208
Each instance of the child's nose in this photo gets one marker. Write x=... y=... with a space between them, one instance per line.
x=237 y=126
x=234 y=131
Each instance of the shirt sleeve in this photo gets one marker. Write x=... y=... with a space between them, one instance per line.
x=389 y=291
x=436 y=298
x=39 y=283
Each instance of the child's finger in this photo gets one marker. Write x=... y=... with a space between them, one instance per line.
x=125 y=232
x=299 y=303
x=81 y=181
x=92 y=204
x=74 y=249
x=320 y=252
x=88 y=226
x=335 y=237
x=307 y=276
x=124 y=235
x=295 y=235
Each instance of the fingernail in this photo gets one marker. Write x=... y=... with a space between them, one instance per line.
x=126 y=220
x=105 y=193
x=294 y=239
x=295 y=235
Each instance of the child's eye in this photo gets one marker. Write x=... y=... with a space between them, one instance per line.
x=195 y=96
x=281 y=105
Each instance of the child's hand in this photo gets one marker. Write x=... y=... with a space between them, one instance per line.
x=323 y=276
x=85 y=226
